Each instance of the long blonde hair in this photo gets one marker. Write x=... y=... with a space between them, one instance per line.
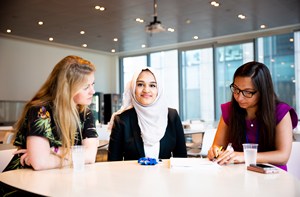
x=64 y=82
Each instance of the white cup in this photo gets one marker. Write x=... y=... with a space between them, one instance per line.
x=250 y=153
x=78 y=158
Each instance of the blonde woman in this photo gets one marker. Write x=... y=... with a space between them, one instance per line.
x=56 y=118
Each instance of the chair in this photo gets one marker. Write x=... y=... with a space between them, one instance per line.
x=206 y=142
x=8 y=137
x=293 y=163
x=194 y=143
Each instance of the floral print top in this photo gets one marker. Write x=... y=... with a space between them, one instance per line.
x=39 y=122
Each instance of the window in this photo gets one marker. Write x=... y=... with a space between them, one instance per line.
x=227 y=59
x=130 y=64
x=277 y=52
x=167 y=64
x=297 y=68
x=197 y=85
x=204 y=74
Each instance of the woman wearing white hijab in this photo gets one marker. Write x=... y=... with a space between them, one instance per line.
x=145 y=126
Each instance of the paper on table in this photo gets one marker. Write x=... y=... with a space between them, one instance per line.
x=191 y=162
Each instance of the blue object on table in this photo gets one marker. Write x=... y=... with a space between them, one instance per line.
x=147 y=161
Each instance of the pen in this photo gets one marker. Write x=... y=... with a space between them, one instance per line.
x=216 y=156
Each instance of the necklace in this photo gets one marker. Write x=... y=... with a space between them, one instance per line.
x=251 y=131
x=252 y=122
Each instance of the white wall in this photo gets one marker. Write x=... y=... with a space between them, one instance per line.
x=25 y=65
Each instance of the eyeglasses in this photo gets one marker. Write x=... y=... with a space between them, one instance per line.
x=246 y=93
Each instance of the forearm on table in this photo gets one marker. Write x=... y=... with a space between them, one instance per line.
x=40 y=155
x=48 y=161
x=273 y=157
x=91 y=148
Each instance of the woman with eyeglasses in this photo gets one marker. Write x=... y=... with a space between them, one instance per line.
x=254 y=115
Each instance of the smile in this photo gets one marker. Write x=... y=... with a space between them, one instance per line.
x=146 y=96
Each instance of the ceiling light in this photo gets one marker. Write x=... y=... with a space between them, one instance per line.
x=82 y=32
x=214 y=3
x=171 y=29
x=291 y=39
x=40 y=22
x=113 y=50
x=115 y=39
x=196 y=37
x=139 y=20
x=241 y=16
x=97 y=7
x=143 y=46
x=50 y=39
x=84 y=45
x=8 y=31
x=187 y=21
x=263 y=26
x=155 y=26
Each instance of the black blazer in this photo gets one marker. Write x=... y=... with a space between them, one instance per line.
x=126 y=142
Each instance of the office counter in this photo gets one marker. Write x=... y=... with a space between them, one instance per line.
x=128 y=178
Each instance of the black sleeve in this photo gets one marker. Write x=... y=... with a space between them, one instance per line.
x=89 y=128
x=180 y=149
x=115 y=147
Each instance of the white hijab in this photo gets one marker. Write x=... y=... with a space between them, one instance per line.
x=153 y=118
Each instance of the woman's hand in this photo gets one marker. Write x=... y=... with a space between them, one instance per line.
x=24 y=159
x=214 y=152
x=230 y=157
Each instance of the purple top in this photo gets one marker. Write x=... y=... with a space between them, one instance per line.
x=251 y=125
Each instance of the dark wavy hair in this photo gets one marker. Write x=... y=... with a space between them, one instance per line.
x=265 y=114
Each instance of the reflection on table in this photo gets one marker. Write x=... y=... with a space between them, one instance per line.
x=128 y=178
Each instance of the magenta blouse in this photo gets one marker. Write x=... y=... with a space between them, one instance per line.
x=251 y=126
